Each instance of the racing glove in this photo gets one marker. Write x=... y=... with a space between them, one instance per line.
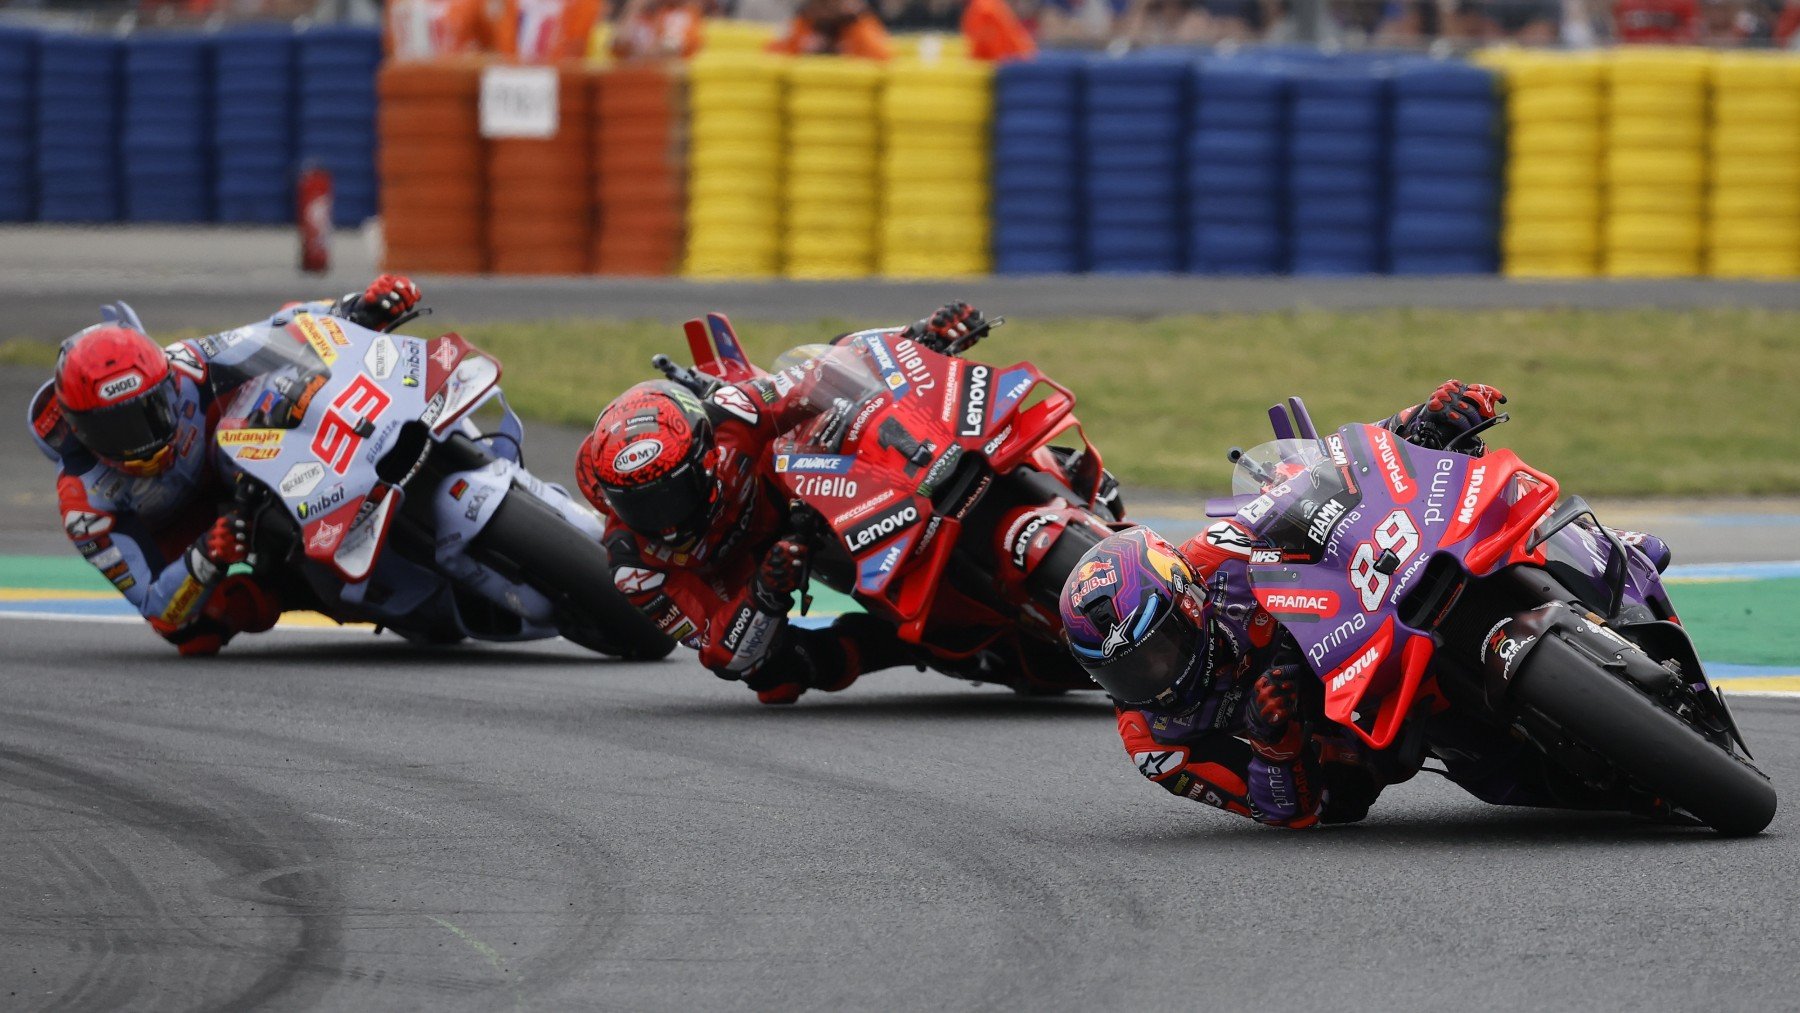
x=1452 y=410
x=1272 y=714
x=950 y=324
x=772 y=590
x=387 y=299
x=225 y=543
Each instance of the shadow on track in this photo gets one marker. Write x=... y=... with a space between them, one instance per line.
x=974 y=706
x=395 y=653
x=1478 y=824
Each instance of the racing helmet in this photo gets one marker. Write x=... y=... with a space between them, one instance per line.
x=117 y=392
x=650 y=458
x=1137 y=618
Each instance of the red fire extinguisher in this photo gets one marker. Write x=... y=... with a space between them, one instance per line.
x=313 y=201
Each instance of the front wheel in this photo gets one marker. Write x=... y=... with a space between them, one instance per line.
x=528 y=538
x=1642 y=740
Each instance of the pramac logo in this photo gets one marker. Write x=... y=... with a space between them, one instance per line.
x=636 y=455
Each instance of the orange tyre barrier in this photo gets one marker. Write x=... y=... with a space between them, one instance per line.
x=432 y=162
x=540 y=192
x=639 y=142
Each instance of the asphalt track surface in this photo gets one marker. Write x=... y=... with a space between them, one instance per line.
x=331 y=820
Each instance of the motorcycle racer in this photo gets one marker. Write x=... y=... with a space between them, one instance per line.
x=130 y=427
x=702 y=542
x=1216 y=704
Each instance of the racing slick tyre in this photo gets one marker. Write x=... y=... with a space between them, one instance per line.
x=1643 y=741
x=551 y=555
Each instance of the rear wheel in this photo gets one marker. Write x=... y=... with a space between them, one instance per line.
x=530 y=540
x=1642 y=740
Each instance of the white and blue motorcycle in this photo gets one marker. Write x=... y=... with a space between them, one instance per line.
x=372 y=496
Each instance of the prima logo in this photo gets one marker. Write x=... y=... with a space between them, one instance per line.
x=1440 y=487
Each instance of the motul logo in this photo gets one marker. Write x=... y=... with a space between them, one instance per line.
x=1357 y=669
x=1471 y=495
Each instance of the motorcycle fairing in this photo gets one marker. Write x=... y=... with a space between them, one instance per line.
x=1369 y=516
x=368 y=384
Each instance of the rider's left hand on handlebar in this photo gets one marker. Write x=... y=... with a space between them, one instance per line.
x=950 y=324
x=387 y=299
x=1452 y=410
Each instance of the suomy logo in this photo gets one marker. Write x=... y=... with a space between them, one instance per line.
x=636 y=455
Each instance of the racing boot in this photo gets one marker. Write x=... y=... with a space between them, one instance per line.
x=831 y=659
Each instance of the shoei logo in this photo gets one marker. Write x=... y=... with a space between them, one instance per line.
x=636 y=455
x=120 y=386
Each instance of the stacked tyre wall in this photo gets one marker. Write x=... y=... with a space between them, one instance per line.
x=1633 y=163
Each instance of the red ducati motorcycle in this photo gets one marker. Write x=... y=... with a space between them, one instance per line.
x=931 y=491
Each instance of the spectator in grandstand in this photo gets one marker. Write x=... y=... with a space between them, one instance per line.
x=1181 y=22
x=995 y=32
x=544 y=31
x=1656 y=21
x=1078 y=22
x=920 y=15
x=425 y=29
x=1529 y=22
x=1733 y=23
x=1787 y=25
x=838 y=27
x=651 y=29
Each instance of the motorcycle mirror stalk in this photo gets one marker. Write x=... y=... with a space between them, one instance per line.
x=700 y=385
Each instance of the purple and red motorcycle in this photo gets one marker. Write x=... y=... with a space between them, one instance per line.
x=1424 y=585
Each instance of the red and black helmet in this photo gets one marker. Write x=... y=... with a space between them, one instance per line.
x=118 y=393
x=651 y=457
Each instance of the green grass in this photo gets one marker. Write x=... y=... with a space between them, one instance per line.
x=1617 y=402
x=1612 y=402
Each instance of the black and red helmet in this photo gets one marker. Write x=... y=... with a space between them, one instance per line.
x=650 y=457
x=118 y=393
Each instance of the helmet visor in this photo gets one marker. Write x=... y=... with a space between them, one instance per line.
x=1150 y=652
x=674 y=508
x=131 y=430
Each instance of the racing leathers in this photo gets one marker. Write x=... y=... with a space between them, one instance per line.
x=155 y=537
x=1257 y=743
x=715 y=593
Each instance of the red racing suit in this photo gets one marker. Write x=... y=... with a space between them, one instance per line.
x=701 y=596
